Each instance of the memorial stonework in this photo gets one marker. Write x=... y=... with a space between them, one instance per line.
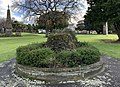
x=105 y=28
x=8 y=26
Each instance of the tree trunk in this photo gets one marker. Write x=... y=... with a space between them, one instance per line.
x=47 y=33
x=89 y=31
x=117 y=29
x=118 y=37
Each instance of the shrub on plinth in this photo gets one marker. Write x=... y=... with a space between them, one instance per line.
x=38 y=58
x=88 y=55
x=68 y=59
x=59 y=42
x=60 y=51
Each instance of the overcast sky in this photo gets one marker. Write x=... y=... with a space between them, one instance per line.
x=4 y=5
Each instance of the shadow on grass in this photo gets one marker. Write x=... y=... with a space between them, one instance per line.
x=31 y=34
x=109 y=41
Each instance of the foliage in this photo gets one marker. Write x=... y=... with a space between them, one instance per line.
x=53 y=20
x=94 y=19
x=91 y=24
x=59 y=42
x=35 y=28
x=38 y=56
x=89 y=55
x=80 y=25
x=41 y=57
x=2 y=23
x=80 y=44
x=68 y=59
x=23 y=51
x=29 y=27
x=100 y=11
x=84 y=55
x=18 y=26
x=30 y=47
x=72 y=33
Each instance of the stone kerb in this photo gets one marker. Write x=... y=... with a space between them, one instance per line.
x=57 y=75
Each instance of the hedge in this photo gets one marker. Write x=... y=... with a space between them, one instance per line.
x=59 y=42
x=68 y=59
x=89 y=55
x=39 y=55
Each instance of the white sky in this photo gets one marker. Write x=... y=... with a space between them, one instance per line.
x=80 y=15
x=4 y=5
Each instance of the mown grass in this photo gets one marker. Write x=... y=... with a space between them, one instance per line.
x=104 y=43
x=8 y=45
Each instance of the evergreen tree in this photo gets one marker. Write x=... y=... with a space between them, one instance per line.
x=101 y=11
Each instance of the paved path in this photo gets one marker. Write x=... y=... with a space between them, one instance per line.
x=109 y=78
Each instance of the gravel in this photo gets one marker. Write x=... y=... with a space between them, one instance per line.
x=109 y=78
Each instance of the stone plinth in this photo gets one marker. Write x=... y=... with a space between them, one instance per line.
x=8 y=32
x=18 y=33
x=58 y=75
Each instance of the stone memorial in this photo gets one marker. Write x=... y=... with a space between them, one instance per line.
x=8 y=25
x=105 y=28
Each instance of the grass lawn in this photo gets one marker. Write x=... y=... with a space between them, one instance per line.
x=8 y=45
x=111 y=49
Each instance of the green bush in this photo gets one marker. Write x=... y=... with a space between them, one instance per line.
x=38 y=58
x=72 y=33
x=30 y=47
x=59 y=42
x=37 y=55
x=80 y=44
x=68 y=59
x=89 y=55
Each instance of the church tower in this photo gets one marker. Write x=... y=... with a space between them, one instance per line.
x=8 y=26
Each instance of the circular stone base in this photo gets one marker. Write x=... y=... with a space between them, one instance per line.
x=58 y=75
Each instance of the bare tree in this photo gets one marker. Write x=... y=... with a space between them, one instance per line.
x=31 y=8
x=38 y=8
x=52 y=21
x=2 y=24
